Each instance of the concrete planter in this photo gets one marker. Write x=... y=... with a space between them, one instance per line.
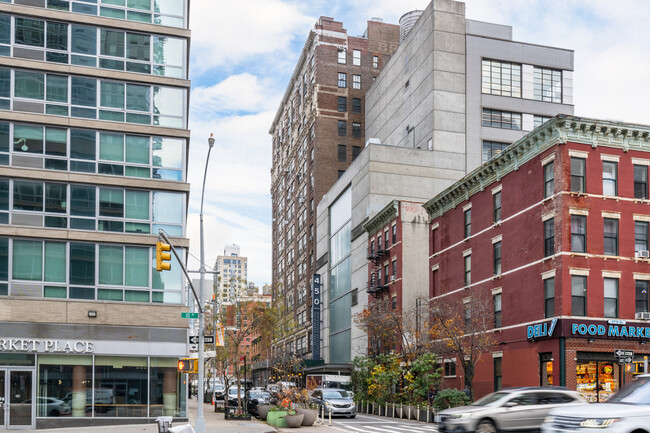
x=294 y=421
x=263 y=410
x=309 y=416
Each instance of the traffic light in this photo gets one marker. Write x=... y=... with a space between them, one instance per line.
x=162 y=256
x=188 y=365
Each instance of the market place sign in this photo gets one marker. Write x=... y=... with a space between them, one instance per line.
x=572 y=328
x=31 y=345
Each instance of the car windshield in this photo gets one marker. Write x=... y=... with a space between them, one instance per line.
x=490 y=399
x=232 y=391
x=637 y=393
x=219 y=388
x=335 y=394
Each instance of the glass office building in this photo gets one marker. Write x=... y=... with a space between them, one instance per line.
x=93 y=158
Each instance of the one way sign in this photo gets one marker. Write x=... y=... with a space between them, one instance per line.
x=207 y=339
x=620 y=353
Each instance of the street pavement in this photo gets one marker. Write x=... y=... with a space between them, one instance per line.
x=378 y=424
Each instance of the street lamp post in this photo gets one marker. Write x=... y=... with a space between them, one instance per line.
x=199 y=426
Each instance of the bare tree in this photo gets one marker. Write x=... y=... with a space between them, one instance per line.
x=463 y=330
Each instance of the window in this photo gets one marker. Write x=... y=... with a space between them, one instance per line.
x=394 y=233
x=356 y=105
x=343 y=128
x=549 y=297
x=393 y=302
x=341 y=55
x=342 y=152
x=356 y=129
x=395 y=269
x=640 y=236
x=356 y=150
x=578 y=233
x=578 y=295
x=549 y=178
x=342 y=81
x=468 y=269
x=356 y=82
x=498 y=372
x=547 y=85
x=356 y=57
x=539 y=120
x=641 y=181
x=611 y=297
x=343 y=104
x=496 y=203
x=468 y=223
x=496 y=254
x=501 y=119
x=609 y=178
x=375 y=62
x=450 y=369
x=467 y=314
x=549 y=237
x=497 y=310
x=354 y=297
x=577 y=174
x=386 y=240
x=610 y=237
x=492 y=149
x=641 y=289
x=340 y=173
x=501 y=78
x=386 y=274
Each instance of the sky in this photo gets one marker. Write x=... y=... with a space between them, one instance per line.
x=243 y=54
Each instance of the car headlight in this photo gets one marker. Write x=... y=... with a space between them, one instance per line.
x=460 y=415
x=352 y=404
x=598 y=422
x=549 y=419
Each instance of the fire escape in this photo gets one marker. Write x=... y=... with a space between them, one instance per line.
x=376 y=284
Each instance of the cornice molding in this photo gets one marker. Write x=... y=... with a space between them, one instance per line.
x=559 y=130
x=383 y=217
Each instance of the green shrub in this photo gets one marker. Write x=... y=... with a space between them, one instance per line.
x=450 y=398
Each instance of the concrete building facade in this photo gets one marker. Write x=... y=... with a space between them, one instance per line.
x=553 y=235
x=317 y=132
x=464 y=89
x=93 y=161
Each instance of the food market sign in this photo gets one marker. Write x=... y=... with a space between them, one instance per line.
x=584 y=328
x=32 y=345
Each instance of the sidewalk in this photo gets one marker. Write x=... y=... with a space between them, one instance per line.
x=214 y=423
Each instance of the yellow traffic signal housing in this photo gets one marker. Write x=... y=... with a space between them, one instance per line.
x=163 y=257
x=188 y=365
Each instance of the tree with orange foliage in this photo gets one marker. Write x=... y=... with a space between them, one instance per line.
x=462 y=330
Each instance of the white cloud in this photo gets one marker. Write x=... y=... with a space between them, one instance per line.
x=225 y=33
x=243 y=92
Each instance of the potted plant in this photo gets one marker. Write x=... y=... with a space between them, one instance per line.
x=275 y=417
x=263 y=410
x=293 y=419
x=306 y=408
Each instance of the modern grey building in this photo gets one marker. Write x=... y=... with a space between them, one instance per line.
x=93 y=158
x=453 y=95
x=464 y=89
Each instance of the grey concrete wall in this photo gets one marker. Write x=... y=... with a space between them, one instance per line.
x=415 y=254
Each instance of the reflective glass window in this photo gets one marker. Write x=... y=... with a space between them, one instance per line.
x=56 y=197
x=55 y=262
x=83 y=91
x=111 y=264
x=168 y=51
x=28 y=138
x=82 y=144
x=5 y=29
x=111 y=146
x=137 y=149
x=57 y=88
x=27 y=263
x=137 y=97
x=83 y=40
x=137 y=263
x=4 y=259
x=29 y=85
x=121 y=386
x=166 y=100
x=56 y=141
x=168 y=152
x=28 y=196
x=138 y=47
x=112 y=94
x=65 y=378
x=5 y=85
x=29 y=32
x=82 y=267
x=168 y=207
x=137 y=204
x=82 y=200
x=111 y=202
x=57 y=36
x=111 y=43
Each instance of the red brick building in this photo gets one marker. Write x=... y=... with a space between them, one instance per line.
x=555 y=232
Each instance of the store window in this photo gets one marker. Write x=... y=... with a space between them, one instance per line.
x=67 y=379
x=597 y=381
x=165 y=384
x=121 y=386
x=546 y=369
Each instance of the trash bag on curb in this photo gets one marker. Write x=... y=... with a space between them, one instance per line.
x=185 y=428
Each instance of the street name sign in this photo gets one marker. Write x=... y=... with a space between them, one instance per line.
x=189 y=315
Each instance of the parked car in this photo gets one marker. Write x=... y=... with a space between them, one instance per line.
x=233 y=396
x=50 y=406
x=336 y=401
x=254 y=398
x=219 y=392
x=625 y=412
x=511 y=409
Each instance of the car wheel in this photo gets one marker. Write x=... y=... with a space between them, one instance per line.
x=486 y=426
x=352 y=416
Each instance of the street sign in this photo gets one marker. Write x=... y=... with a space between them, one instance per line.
x=207 y=339
x=621 y=353
x=625 y=360
x=189 y=315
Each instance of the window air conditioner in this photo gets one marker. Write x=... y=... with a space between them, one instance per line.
x=642 y=253
x=393 y=277
x=644 y=315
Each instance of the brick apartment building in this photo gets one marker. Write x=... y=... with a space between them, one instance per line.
x=555 y=232
x=317 y=132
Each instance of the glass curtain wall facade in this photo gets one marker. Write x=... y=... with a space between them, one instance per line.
x=340 y=279
x=93 y=152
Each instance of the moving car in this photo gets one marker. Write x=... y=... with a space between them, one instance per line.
x=335 y=400
x=627 y=411
x=511 y=409
x=255 y=398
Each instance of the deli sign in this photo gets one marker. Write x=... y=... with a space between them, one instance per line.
x=32 y=345
x=584 y=328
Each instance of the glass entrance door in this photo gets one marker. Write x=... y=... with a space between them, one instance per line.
x=16 y=389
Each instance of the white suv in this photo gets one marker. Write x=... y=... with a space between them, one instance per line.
x=628 y=411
